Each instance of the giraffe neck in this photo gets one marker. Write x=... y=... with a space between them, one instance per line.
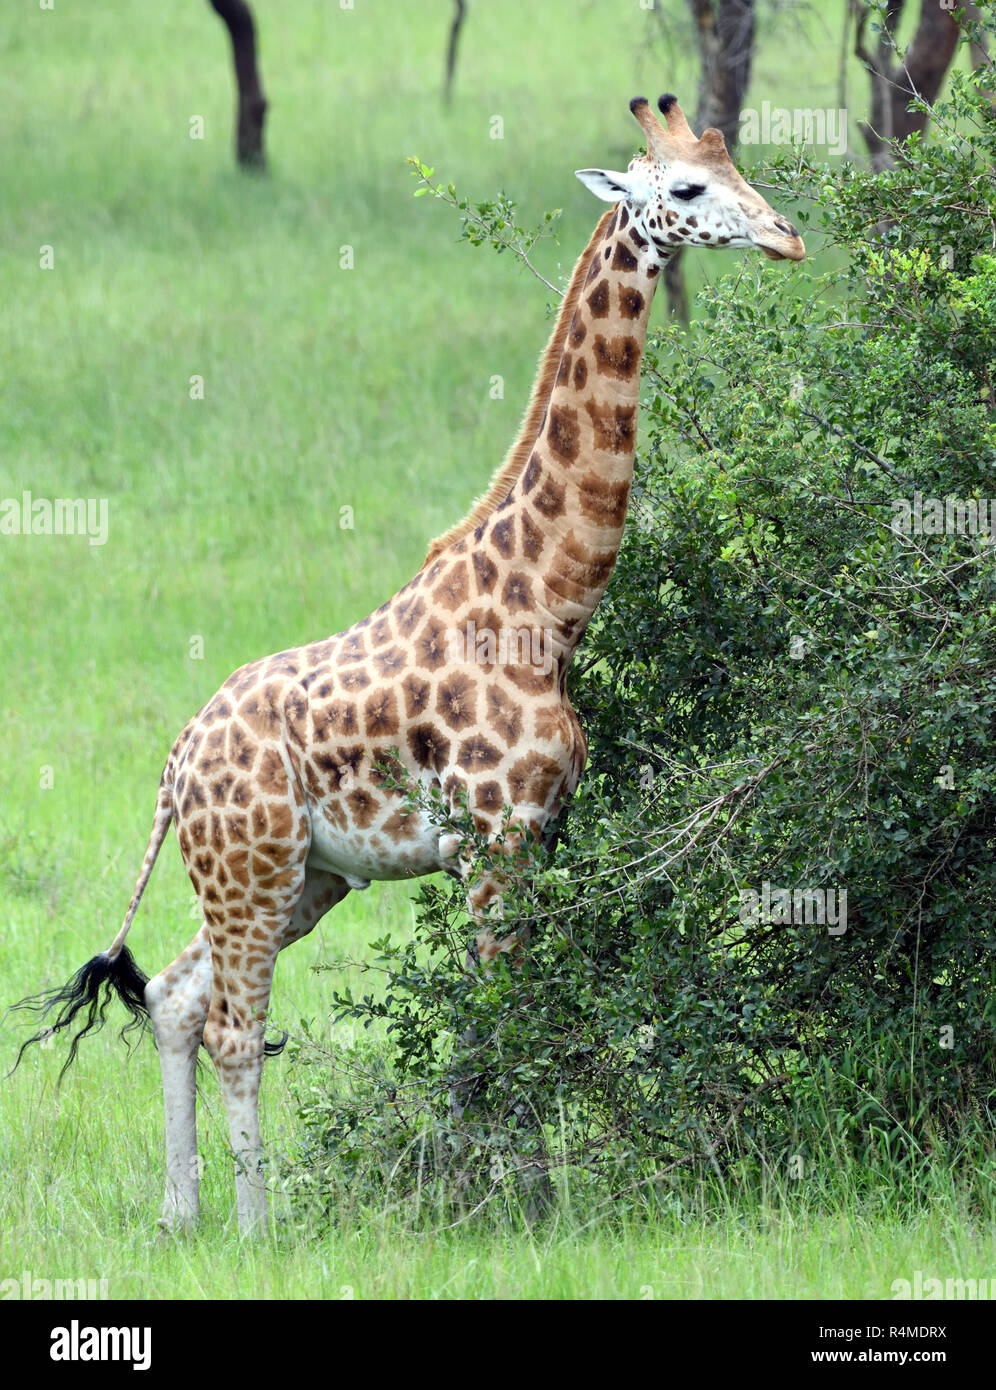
x=569 y=502
x=518 y=455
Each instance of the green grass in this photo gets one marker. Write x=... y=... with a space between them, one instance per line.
x=324 y=388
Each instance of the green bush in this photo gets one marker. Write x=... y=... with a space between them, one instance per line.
x=781 y=687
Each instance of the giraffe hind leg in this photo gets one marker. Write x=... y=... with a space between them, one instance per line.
x=177 y=999
x=181 y=1000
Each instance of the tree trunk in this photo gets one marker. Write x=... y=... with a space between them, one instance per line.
x=252 y=104
x=725 y=30
x=726 y=45
x=459 y=10
x=895 y=81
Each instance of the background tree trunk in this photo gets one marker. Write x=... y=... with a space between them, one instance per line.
x=252 y=104
x=459 y=10
x=725 y=32
x=894 y=81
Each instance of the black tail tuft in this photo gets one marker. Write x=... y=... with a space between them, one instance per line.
x=91 y=989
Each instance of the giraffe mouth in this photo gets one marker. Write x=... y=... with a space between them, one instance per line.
x=783 y=243
x=794 y=251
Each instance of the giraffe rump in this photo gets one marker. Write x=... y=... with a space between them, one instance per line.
x=91 y=990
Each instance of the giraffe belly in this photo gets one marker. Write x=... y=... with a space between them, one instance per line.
x=360 y=856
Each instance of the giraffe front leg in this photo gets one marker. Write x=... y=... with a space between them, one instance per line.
x=486 y=905
x=177 y=1000
x=238 y=1060
x=486 y=946
x=485 y=901
x=234 y=1038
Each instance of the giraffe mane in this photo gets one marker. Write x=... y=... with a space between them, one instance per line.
x=518 y=455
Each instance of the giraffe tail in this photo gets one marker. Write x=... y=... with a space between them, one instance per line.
x=111 y=972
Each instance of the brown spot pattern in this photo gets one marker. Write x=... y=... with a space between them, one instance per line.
x=453 y=589
x=476 y=754
x=517 y=593
x=532 y=538
x=485 y=572
x=503 y=536
x=389 y=663
x=416 y=692
x=488 y=797
x=429 y=746
x=408 y=615
x=631 y=302
x=380 y=710
x=550 y=500
x=614 y=425
x=532 y=777
x=617 y=357
x=598 y=301
x=430 y=645
x=456 y=700
x=563 y=434
x=504 y=715
x=364 y=807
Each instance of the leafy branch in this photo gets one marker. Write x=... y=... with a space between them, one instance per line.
x=491 y=222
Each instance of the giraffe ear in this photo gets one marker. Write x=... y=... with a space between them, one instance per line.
x=608 y=184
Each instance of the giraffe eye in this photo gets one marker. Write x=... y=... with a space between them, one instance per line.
x=686 y=192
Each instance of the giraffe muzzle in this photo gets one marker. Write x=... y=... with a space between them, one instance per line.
x=785 y=244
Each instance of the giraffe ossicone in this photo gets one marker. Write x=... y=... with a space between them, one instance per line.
x=278 y=788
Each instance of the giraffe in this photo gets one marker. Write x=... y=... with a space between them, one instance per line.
x=279 y=789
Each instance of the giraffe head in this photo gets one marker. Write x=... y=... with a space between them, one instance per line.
x=687 y=192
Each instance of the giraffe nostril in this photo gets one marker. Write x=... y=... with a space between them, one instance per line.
x=785 y=227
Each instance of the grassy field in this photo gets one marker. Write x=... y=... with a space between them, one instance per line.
x=324 y=388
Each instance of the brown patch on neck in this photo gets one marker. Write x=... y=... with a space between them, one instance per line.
x=518 y=456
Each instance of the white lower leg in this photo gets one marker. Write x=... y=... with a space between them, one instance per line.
x=177 y=1000
x=239 y=1072
x=181 y=1202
